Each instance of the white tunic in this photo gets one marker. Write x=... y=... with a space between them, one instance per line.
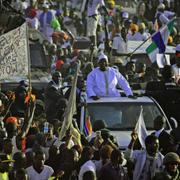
x=97 y=85
x=119 y=44
x=44 y=175
x=88 y=166
x=93 y=6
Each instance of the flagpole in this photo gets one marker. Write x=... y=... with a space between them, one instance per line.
x=149 y=38
x=71 y=108
x=139 y=46
x=29 y=59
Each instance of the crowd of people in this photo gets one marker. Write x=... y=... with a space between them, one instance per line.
x=30 y=144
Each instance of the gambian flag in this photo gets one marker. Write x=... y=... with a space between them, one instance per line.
x=87 y=125
x=159 y=41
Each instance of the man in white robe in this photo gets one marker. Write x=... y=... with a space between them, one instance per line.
x=103 y=80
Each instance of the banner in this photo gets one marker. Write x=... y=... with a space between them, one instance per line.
x=14 y=53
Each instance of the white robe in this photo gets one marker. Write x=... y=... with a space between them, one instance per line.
x=96 y=84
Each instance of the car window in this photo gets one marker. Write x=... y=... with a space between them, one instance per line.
x=123 y=116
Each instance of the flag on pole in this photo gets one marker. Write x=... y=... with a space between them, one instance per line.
x=71 y=108
x=140 y=128
x=87 y=125
x=14 y=58
x=159 y=41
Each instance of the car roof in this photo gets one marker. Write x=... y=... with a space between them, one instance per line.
x=143 y=99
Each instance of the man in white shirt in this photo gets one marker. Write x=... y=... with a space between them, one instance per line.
x=103 y=80
x=88 y=166
x=39 y=171
x=147 y=161
x=93 y=18
x=119 y=45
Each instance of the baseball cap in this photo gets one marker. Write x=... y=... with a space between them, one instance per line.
x=161 y=6
x=45 y=5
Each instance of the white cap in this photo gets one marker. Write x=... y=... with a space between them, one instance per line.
x=161 y=6
x=125 y=15
x=101 y=57
x=45 y=5
x=0 y=103
x=178 y=48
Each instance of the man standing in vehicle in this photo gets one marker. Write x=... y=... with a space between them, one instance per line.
x=103 y=81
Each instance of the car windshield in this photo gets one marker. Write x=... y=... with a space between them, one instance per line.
x=123 y=116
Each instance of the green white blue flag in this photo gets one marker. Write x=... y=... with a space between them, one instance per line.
x=159 y=41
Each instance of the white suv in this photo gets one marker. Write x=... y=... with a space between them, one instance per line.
x=121 y=115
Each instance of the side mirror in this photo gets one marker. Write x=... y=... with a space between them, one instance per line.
x=173 y=122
